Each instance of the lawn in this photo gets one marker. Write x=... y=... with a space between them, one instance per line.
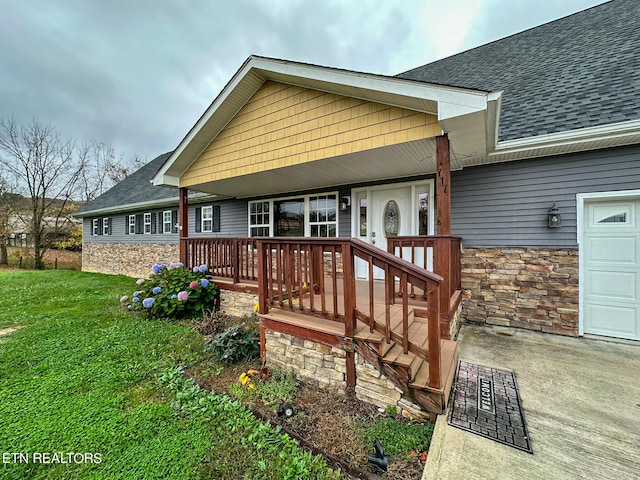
x=81 y=396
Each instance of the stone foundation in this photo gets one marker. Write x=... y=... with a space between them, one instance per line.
x=326 y=367
x=530 y=288
x=132 y=259
x=237 y=304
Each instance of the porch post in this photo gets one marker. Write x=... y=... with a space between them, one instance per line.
x=183 y=229
x=443 y=183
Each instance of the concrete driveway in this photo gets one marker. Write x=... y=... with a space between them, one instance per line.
x=581 y=402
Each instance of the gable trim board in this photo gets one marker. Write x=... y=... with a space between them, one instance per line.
x=459 y=110
x=609 y=289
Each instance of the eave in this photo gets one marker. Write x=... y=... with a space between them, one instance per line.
x=468 y=114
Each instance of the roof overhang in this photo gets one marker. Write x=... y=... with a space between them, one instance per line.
x=470 y=117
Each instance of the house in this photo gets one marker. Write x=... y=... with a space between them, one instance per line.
x=512 y=171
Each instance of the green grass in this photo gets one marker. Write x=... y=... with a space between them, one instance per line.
x=81 y=375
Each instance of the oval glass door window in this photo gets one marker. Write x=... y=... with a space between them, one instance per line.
x=391 y=219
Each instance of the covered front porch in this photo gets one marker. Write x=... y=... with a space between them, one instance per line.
x=398 y=316
x=342 y=182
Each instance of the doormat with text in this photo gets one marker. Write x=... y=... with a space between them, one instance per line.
x=486 y=402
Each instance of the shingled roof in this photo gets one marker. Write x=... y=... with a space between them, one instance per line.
x=579 y=71
x=136 y=189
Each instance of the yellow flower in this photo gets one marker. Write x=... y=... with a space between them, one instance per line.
x=251 y=386
x=252 y=372
x=244 y=379
x=256 y=307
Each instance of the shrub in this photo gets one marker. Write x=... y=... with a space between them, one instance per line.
x=173 y=292
x=212 y=322
x=236 y=344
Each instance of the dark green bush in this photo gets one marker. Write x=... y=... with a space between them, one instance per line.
x=237 y=343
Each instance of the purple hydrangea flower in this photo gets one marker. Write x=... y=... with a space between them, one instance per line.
x=182 y=296
x=137 y=292
x=123 y=299
x=195 y=269
x=156 y=290
x=136 y=299
x=204 y=282
x=202 y=268
x=148 y=302
x=140 y=281
x=179 y=264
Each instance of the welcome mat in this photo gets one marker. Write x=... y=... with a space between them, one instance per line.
x=486 y=402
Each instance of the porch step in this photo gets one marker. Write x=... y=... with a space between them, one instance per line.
x=409 y=371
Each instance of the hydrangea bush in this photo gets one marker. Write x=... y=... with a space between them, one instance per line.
x=173 y=291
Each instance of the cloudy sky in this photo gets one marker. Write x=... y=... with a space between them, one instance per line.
x=137 y=74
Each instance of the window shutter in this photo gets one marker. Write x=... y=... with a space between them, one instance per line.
x=126 y=224
x=110 y=226
x=139 y=223
x=198 y=219
x=174 y=221
x=216 y=218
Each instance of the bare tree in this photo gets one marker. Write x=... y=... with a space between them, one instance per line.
x=102 y=169
x=9 y=204
x=47 y=169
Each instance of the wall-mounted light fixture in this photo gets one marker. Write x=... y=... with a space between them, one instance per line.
x=345 y=203
x=553 y=216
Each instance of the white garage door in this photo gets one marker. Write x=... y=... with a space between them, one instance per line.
x=611 y=265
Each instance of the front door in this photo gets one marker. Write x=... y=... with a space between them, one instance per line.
x=388 y=211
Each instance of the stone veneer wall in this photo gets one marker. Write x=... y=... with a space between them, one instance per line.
x=532 y=288
x=132 y=259
x=325 y=366
x=237 y=304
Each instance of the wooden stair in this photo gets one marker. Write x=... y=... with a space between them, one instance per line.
x=408 y=371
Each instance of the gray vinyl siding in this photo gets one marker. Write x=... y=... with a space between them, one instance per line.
x=344 y=218
x=506 y=204
x=234 y=219
x=119 y=225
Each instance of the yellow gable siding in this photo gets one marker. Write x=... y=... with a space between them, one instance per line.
x=284 y=125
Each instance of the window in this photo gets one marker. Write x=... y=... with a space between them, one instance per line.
x=617 y=218
x=147 y=223
x=322 y=216
x=259 y=219
x=95 y=230
x=207 y=219
x=363 y=216
x=105 y=226
x=289 y=218
x=167 y=223
x=423 y=214
x=311 y=215
x=132 y=224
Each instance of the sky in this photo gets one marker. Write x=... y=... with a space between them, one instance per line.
x=137 y=74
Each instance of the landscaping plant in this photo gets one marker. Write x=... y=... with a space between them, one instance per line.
x=238 y=343
x=173 y=292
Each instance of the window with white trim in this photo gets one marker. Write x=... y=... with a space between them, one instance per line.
x=207 y=219
x=308 y=215
x=105 y=226
x=147 y=223
x=259 y=219
x=322 y=216
x=166 y=221
x=132 y=224
x=95 y=230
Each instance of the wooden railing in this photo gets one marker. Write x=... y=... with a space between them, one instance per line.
x=445 y=253
x=233 y=258
x=316 y=276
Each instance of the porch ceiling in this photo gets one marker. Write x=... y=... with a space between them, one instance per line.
x=417 y=158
